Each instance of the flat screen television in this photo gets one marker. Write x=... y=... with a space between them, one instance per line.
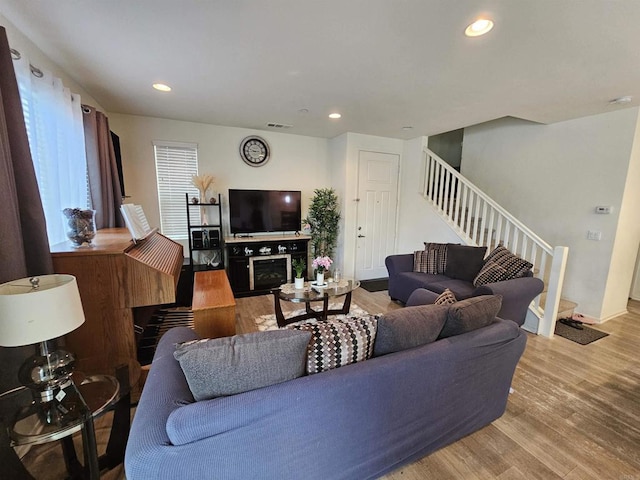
x=254 y=211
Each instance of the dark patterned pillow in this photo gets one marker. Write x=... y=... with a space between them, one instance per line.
x=491 y=272
x=446 y=298
x=340 y=342
x=515 y=266
x=436 y=257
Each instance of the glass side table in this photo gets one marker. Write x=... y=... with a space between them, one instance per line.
x=23 y=423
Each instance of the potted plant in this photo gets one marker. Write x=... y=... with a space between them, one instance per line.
x=321 y=264
x=299 y=266
x=323 y=219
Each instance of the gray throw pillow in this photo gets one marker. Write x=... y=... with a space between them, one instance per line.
x=471 y=314
x=231 y=365
x=409 y=327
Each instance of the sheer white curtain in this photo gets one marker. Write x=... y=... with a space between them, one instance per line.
x=53 y=117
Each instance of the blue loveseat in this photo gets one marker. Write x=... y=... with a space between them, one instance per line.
x=358 y=421
x=517 y=293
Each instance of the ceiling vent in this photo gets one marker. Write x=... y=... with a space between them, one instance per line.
x=278 y=125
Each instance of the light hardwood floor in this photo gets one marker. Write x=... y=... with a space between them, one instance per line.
x=574 y=413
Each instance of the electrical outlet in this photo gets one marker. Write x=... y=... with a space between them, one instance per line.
x=594 y=235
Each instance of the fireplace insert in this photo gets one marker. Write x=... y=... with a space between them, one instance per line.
x=269 y=271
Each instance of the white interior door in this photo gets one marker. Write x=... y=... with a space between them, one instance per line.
x=378 y=199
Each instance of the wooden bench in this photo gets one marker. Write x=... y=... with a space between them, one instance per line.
x=213 y=305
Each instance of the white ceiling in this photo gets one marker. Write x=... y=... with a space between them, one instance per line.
x=383 y=64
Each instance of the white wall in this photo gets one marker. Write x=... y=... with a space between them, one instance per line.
x=297 y=162
x=337 y=155
x=625 y=249
x=552 y=177
x=418 y=222
x=635 y=286
x=38 y=59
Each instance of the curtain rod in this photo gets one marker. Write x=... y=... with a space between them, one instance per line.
x=15 y=54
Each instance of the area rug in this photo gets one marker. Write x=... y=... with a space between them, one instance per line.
x=584 y=337
x=375 y=285
x=268 y=322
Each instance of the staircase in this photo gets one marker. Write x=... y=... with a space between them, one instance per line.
x=480 y=221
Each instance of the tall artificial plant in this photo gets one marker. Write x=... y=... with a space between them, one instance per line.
x=323 y=218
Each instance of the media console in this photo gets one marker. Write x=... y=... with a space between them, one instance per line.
x=258 y=264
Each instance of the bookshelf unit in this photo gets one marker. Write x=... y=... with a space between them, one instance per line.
x=206 y=242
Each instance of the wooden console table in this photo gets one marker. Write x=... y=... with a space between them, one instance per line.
x=214 y=308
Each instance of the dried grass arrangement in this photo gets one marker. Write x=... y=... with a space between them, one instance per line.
x=203 y=183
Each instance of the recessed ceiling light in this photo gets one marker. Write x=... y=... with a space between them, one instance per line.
x=407 y=127
x=162 y=87
x=334 y=115
x=479 y=27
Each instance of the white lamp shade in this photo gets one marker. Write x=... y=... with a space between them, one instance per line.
x=31 y=315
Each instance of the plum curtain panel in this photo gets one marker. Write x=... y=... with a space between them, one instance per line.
x=24 y=249
x=104 y=184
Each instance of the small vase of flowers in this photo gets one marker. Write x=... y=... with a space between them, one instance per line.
x=299 y=266
x=321 y=264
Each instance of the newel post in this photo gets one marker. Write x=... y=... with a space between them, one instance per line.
x=547 y=323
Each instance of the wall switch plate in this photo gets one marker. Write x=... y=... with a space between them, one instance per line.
x=604 y=209
x=593 y=235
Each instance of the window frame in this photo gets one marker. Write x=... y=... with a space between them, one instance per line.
x=173 y=180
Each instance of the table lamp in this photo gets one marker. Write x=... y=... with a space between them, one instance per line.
x=35 y=311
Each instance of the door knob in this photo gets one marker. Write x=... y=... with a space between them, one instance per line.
x=360 y=236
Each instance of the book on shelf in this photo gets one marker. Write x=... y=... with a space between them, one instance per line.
x=136 y=221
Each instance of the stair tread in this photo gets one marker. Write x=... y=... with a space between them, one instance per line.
x=564 y=303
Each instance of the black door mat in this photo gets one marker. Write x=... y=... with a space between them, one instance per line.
x=375 y=285
x=583 y=337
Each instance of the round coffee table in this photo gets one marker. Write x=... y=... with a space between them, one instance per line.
x=311 y=293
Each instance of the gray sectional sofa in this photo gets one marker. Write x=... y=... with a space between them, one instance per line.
x=358 y=421
x=458 y=272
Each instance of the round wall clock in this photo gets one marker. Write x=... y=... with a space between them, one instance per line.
x=254 y=151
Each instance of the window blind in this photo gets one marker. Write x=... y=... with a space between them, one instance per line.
x=176 y=163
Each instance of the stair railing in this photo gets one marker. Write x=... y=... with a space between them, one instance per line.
x=480 y=221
